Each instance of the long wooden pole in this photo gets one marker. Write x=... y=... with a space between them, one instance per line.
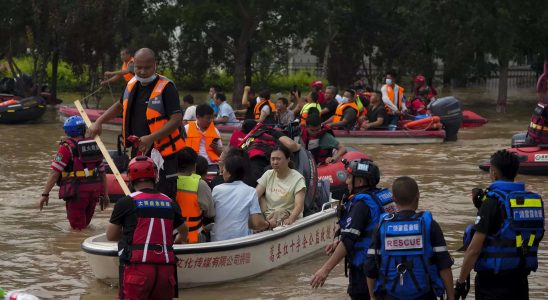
x=103 y=149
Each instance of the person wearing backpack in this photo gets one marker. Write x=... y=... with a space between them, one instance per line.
x=359 y=216
x=408 y=257
x=507 y=231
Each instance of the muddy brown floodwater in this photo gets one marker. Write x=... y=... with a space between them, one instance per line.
x=40 y=253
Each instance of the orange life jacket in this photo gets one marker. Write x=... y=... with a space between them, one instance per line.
x=125 y=65
x=156 y=117
x=339 y=113
x=259 y=106
x=187 y=198
x=194 y=137
x=398 y=101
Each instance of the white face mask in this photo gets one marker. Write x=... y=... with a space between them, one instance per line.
x=344 y=99
x=388 y=81
x=145 y=80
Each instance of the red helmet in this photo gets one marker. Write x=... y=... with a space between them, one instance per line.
x=317 y=83
x=142 y=167
x=420 y=79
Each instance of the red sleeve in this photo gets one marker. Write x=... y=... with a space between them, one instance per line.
x=61 y=159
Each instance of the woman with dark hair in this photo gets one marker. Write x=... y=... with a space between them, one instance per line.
x=236 y=204
x=281 y=191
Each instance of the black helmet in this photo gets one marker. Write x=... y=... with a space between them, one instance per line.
x=364 y=168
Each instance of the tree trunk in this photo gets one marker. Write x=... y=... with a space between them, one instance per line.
x=239 y=74
x=54 y=67
x=503 y=85
x=248 y=70
x=326 y=53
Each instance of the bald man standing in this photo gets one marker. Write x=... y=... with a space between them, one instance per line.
x=151 y=111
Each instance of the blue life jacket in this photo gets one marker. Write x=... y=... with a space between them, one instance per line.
x=406 y=270
x=379 y=201
x=515 y=245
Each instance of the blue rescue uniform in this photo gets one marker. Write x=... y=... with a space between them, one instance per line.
x=358 y=223
x=513 y=221
x=406 y=255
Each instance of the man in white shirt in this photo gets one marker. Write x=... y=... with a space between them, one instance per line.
x=189 y=109
x=226 y=113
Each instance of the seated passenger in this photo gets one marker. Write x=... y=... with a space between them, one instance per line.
x=237 y=204
x=422 y=89
x=202 y=167
x=281 y=191
x=189 y=109
x=376 y=114
x=193 y=195
x=238 y=136
x=264 y=109
x=320 y=141
x=261 y=144
x=202 y=136
x=347 y=112
x=331 y=103
x=226 y=113
x=417 y=105
x=284 y=116
x=311 y=106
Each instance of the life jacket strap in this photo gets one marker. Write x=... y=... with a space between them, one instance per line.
x=152 y=247
x=84 y=173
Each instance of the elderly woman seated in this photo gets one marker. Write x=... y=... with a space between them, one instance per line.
x=281 y=191
x=236 y=204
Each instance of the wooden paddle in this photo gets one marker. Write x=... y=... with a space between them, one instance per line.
x=103 y=149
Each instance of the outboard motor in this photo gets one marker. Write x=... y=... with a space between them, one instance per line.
x=119 y=156
x=450 y=113
x=520 y=140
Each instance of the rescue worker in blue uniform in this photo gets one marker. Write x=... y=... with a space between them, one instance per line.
x=408 y=257
x=507 y=231
x=143 y=223
x=359 y=217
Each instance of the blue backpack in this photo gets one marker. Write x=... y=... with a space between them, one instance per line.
x=405 y=268
x=515 y=245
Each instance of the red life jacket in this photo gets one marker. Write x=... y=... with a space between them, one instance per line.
x=312 y=144
x=82 y=172
x=260 y=144
x=538 y=128
x=152 y=240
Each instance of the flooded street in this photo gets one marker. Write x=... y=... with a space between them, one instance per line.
x=40 y=253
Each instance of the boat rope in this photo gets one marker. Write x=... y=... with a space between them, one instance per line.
x=111 y=94
x=93 y=93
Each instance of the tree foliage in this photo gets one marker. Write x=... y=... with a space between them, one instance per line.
x=251 y=39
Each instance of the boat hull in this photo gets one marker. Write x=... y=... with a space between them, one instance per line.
x=359 y=137
x=28 y=109
x=533 y=160
x=224 y=261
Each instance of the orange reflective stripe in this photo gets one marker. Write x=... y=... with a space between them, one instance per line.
x=194 y=137
x=155 y=119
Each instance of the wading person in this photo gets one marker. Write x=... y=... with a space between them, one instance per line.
x=143 y=223
x=150 y=110
x=358 y=219
x=78 y=169
x=508 y=229
x=408 y=257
